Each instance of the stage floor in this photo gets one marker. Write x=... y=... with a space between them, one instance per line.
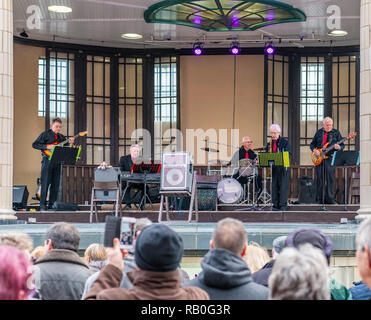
x=311 y=213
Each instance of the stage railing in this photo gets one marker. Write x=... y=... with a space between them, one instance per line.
x=77 y=181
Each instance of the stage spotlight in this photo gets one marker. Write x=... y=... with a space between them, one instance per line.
x=270 y=49
x=235 y=48
x=24 y=34
x=197 y=48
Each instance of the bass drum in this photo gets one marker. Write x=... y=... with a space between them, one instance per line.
x=229 y=191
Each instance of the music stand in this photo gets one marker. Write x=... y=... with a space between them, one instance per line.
x=346 y=159
x=277 y=159
x=61 y=156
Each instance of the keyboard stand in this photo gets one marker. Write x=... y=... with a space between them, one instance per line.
x=145 y=196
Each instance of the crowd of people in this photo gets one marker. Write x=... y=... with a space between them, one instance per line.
x=233 y=268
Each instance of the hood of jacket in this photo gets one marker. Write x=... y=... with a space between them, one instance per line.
x=62 y=255
x=223 y=269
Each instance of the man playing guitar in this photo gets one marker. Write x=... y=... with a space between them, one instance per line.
x=327 y=134
x=50 y=174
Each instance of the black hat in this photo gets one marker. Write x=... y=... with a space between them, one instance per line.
x=158 y=248
x=315 y=237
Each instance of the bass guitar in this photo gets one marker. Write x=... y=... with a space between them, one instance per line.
x=317 y=159
x=48 y=152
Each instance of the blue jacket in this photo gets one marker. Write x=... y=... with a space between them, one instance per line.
x=360 y=291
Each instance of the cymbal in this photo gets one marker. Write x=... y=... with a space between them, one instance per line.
x=218 y=162
x=210 y=149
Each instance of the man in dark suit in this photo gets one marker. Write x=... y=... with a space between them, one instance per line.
x=126 y=162
x=126 y=165
x=50 y=173
x=326 y=134
x=280 y=175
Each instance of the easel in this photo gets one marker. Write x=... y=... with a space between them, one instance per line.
x=181 y=193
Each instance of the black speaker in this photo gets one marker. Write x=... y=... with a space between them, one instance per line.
x=307 y=190
x=20 y=197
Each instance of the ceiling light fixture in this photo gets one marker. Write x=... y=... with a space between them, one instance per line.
x=337 y=33
x=24 y=34
x=197 y=48
x=235 y=48
x=131 y=36
x=60 y=9
x=270 y=49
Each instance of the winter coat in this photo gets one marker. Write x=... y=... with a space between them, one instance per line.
x=147 y=285
x=226 y=276
x=60 y=274
x=261 y=276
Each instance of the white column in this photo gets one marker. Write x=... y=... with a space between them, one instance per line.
x=365 y=110
x=6 y=109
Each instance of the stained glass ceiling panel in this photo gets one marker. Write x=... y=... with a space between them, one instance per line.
x=223 y=15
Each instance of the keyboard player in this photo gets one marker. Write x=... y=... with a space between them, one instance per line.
x=126 y=165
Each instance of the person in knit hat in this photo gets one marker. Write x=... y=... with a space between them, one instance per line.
x=319 y=240
x=158 y=252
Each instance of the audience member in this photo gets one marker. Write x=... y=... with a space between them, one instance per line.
x=158 y=252
x=360 y=291
x=129 y=264
x=319 y=240
x=256 y=256
x=37 y=253
x=363 y=254
x=96 y=256
x=299 y=274
x=17 y=239
x=262 y=275
x=15 y=274
x=60 y=274
x=225 y=274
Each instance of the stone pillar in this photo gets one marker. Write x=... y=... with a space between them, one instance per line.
x=6 y=109
x=365 y=110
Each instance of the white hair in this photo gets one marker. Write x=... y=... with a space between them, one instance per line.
x=275 y=126
x=245 y=137
x=300 y=274
x=363 y=236
x=327 y=119
x=134 y=146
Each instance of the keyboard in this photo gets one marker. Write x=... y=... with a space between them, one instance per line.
x=140 y=177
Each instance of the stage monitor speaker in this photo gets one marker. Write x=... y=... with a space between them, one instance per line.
x=176 y=172
x=307 y=190
x=20 y=197
x=107 y=175
x=65 y=206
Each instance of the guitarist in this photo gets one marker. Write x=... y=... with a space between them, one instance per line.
x=50 y=174
x=327 y=134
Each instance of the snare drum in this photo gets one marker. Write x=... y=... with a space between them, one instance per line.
x=247 y=168
x=229 y=191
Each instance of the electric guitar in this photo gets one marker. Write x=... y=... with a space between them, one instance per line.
x=317 y=160
x=48 y=152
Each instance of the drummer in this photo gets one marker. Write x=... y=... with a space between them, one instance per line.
x=246 y=152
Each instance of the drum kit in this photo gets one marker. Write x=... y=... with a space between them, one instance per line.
x=229 y=189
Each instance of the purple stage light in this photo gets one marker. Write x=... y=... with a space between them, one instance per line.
x=197 y=20
x=197 y=49
x=270 y=50
x=235 y=50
